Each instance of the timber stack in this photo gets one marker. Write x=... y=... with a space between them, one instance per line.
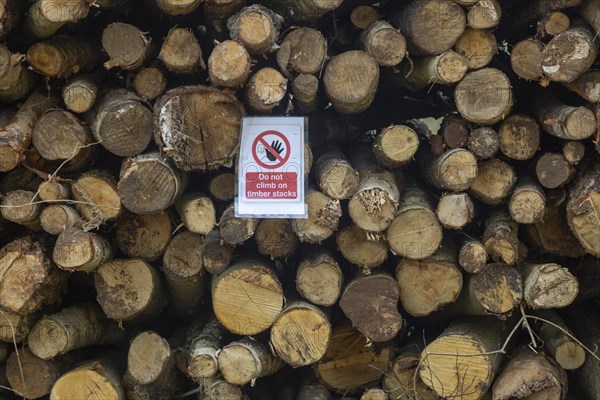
x=451 y=248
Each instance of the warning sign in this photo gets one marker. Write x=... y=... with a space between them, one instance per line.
x=270 y=168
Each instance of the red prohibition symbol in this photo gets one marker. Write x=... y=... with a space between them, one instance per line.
x=279 y=159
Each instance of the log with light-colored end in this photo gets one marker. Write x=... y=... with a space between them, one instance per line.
x=587 y=86
x=553 y=170
x=203 y=350
x=583 y=208
x=302 y=11
x=144 y=236
x=351 y=81
x=184 y=273
x=371 y=303
x=77 y=250
x=217 y=388
x=216 y=254
x=150 y=82
x=494 y=181
x=323 y=217
x=82 y=91
x=526 y=59
x=247 y=298
x=300 y=335
x=564 y=121
x=21 y=207
x=574 y=151
x=122 y=123
x=52 y=190
x=455 y=169
x=485 y=14
x=568 y=55
x=364 y=15
x=455 y=210
x=319 y=278
x=472 y=256
x=15 y=327
x=477 y=46
x=46 y=17
x=276 y=238
x=247 y=359
x=234 y=230
x=361 y=248
x=429 y=285
x=127 y=47
x=555 y=335
x=457 y=363
x=374 y=394
x=178 y=7
x=181 y=52
x=256 y=27
x=222 y=186
x=305 y=89
x=385 y=43
x=197 y=212
x=129 y=290
x=265 y=90
x=400 y=382
x=62 y=56
x=548 y=285
x=444 y=69
x=519 y=137
x=335 y=175
x=554 y=23
x=302 y=51
x=500 y=237
x=415 y=232
x=396 y=145
x=60 y=135
x=97 y=198
x=55 y=218
x=73 y=328
x=349 y=362
x=16 y=81
x=484 y=96
x=229 y=65
x=527 y=203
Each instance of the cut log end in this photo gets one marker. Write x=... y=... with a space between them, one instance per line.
x=319 y=279
x=484 y=96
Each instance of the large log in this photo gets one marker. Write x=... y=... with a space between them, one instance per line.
x=484 y=96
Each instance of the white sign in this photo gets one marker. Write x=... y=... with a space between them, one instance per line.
x=271 y=168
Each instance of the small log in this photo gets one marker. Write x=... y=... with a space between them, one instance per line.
x=431 y=26
x=519 y=137
x=62 y=56
x=253 y=309
x=265 y=90
x=300 y=335
x=129 y=290
x=527 y=203
x=60 y=135
x=583 y=208
x=361 y=248
x=144 y=236
x=150 y=370
x=455 y=210
x=149 y=183
x=52 y=190
x=103 y=374
x=526 y=59
x=395 y=145
x=428 y=285
x=484 y=143
x=29 y=280
x=554 y=23
x=46 y=17
x=500 y=238
x=217 y=388
x=198 y=127
x=351 y=81
x=222 y=186
x=81 y=92
x=73 y=328
x=122 y=123
x=472 y=256
x=323 y=218
x=55 y=218
x=455 y=169
x=371 y=303
x=495 y=290
x=529 y=374
x=15 y=136
x=216 y=254
x=181 y=52
x=77 y=250
x=310 y=390
x=374 y=394
x=444 y=69
x=553 y=170
x=256 y=27
x=568 y=55
x=150 y=82
x=302 y=51
x=96 y=196
x=573 y=151
x=494 y=181
x=364 y=15
x=400 y=382
x=203 y=351
x=477 y=46
x=455 y=131
x=184 y=273
x=384 y=43
x=335 y=175
x=16 y=81
x=197 y=212
x=21 y=207
x=127 y=47
x=567 y=352
x=235 y=230
x=305 y=89
x=415 y=232
x=276 y=238
x=302 y=11
x=485 y=14
x=229 y=65
x=10 y=16
x=319 y=278
x=178 y=7
x=484 y=96
x=548 y=285
x=349 y=363
x=14 y=328
x=564 y=121
x=247 y=359
x=466 y=341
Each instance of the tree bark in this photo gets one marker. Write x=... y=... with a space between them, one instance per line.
x=77 y=250
x=216 y=388
x=15 y=327
x=229 y=65
x=400 y=382
x=494 y=181
x=16 y=81
x=566 y=351
x=62 y=56
x=247 y=359
x=46 y=17
x=319 y=278
x=564 y=121
x=203 y=351
x=361 y=247
x=323 y=218
x=484 y=96
x=197 y=212
x=10 y=16
x=127 y=47
x=302 y=11
x=500 y=238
